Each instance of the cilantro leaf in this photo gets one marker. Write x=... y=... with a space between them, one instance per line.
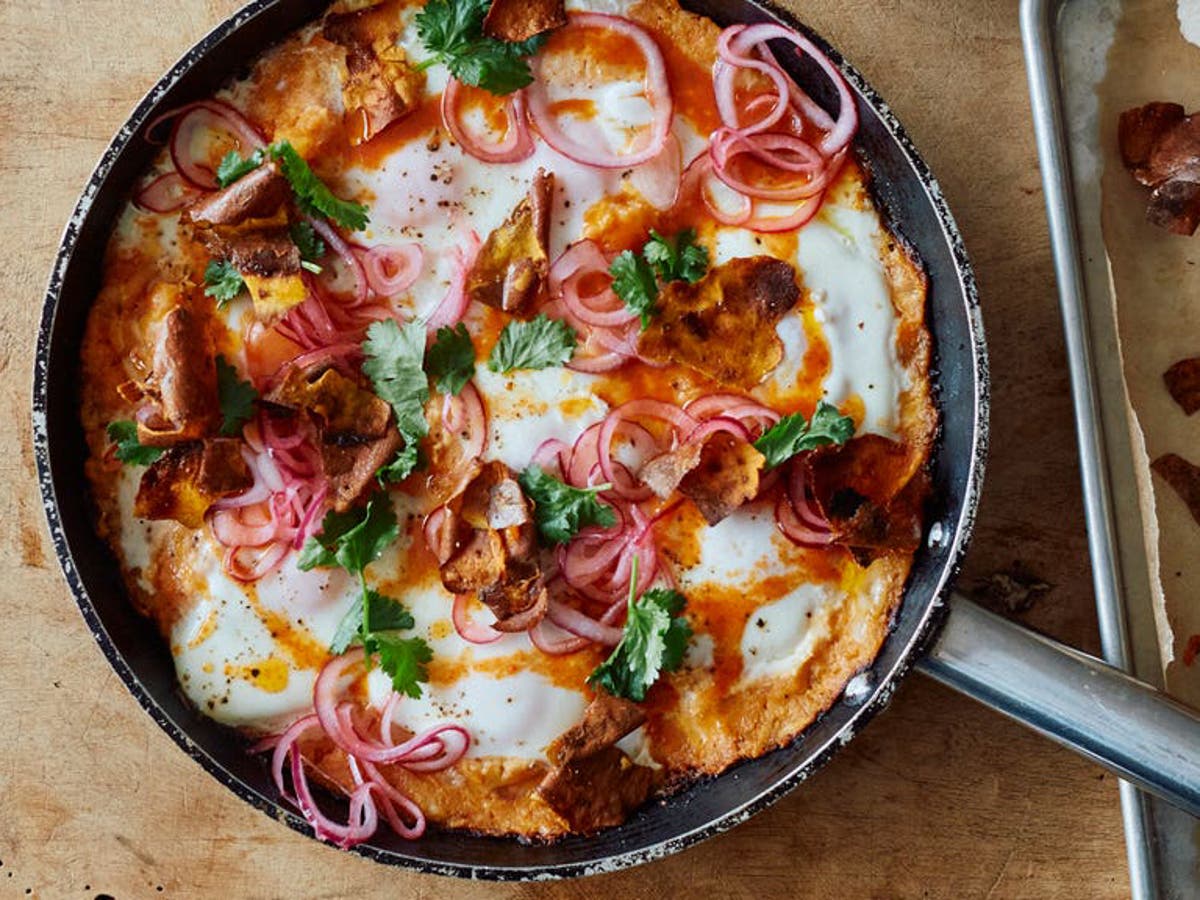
x=309 y=243
x=223 y=280
x=382 y=613
x=123 y=433
x=353 y=539
x=236 y=398
x=654 y=641
x=404 y=660
x=232 y=166
x=793 y=434
x=679 y=260
x=394 y=356
x=536 y=344
x=634 y=282
x=404 y=463
x=452 y=30
x=561 y=510
x=451 y=359
x=349 y=629
x=313 y=196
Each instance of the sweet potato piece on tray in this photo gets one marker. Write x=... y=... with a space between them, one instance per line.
x=185 y=481
x=519 y=20
x=722 y=326
x=1160 y=146
x=1183 y=383
x=510 y=270
x=1184 y=479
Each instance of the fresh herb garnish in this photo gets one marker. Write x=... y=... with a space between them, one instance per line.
x=235 y=397
x=353 y=540
x=123 y=433
x=223 y=280
x=560 y=510
x=793 y=434
x=232 y=166
x=394 y=357
x=451 y=359
x=654 y=641
x=452 y=30
x=634 y=275
x=403 y=464
x=536 y=344
x=313 y=196
x=310 y=245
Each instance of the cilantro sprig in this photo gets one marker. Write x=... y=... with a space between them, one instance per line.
x=451 y=359
x=232 y=166
x=452 y=30
x=654 y=640
x=537 y=344
x=394 y=359
x=223 y=281
x=235 y=397
x=123 y=433
x=310 y=245
x=794 y=434
x=636 y=276
x=560 y=510
x=353 y=540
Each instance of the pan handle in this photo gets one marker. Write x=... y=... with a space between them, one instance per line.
x=1072 y=698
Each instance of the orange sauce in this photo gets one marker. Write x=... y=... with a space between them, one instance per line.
x=422 y=124
x=296 y=641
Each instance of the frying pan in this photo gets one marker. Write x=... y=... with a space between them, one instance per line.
x=1072 y=698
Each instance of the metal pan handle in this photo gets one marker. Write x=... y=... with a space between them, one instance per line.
x=1072 y=698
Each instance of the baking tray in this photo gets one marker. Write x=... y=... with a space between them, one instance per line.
x=1066 y=46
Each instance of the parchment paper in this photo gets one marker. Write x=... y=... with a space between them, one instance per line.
x=1156 y=281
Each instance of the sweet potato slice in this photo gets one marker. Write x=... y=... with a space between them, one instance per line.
x=606 y=720
x=185 y=481
x=597 y=791
x=1160 y=145
x=351 y=467
x=343 y=406
x=726 y=477
x=183 y=387
x=1183 y=383
x=510 y=270
x=723 y=325
x=258 y=195
x=1184 y=479
x=519 y=20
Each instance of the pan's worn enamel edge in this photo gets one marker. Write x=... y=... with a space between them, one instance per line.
x=878 y=694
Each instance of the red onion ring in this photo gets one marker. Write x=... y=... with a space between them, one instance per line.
x=572 y=620
x=708 y=428
x=517 y=143
x=468 y=629
x=166 y=193
x=603 y=309
x=201 y=114
x=658 y=93
x=344 y=252
x=454 y=305
x=658 y=180
x=391 y=270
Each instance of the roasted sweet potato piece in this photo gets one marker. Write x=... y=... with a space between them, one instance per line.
x=183 y=387
x=343 y=406
x=1160 y=146
x=489 y=548
x=510 y=270
x=519 y=20
x=871 y=527
x=1183 y=383
x=606 y=720
x=351 y=467
x=718 y=476
x=380 y=86
x=185 y=481
x=1184 y=479
x=663 y=473
x=723 y=325
x=597 y=791
x=258 y=195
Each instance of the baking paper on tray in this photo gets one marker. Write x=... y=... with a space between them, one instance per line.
x=1156 y=283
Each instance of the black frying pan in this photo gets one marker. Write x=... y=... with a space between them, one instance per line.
x=1062 y=693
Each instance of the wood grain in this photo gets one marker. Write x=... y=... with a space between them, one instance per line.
x=939 y=798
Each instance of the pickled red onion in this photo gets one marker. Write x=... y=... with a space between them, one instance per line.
x=517 y=143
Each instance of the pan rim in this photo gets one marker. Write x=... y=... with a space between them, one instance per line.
x=923 y=632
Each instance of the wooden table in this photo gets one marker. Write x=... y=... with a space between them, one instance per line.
x=938 y=798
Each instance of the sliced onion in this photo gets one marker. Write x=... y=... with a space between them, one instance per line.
x=454 y=305
x=584 y=259
x=517 y=143
x=554 y=641
x=716 y=424
x=473 y=430
x=190 y=121
x=166 y=193
x=391 y=270
x=344 y=252
x=658 y=93
x=658 y=180
x=468 y=628
x=570 y=619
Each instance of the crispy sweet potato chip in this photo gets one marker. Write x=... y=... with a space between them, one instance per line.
x=351 y=467
x=489 y=548
x=343 y=406
x=380 y=85
x=258 y=195
x=606 y=720
x=870 y=524
x=722 y=326
x=1160 y=146
x=597 y=791
x=182 y=390
x=663 y=473
x=1184 y=479
x=510 y=270
x=185 y=481
x=519 y=20
x=1183 y=383
x=718 y=476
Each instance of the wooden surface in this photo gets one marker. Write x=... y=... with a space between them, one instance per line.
x=938 y=798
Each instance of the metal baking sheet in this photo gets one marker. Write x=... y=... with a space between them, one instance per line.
x=1067 y=44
